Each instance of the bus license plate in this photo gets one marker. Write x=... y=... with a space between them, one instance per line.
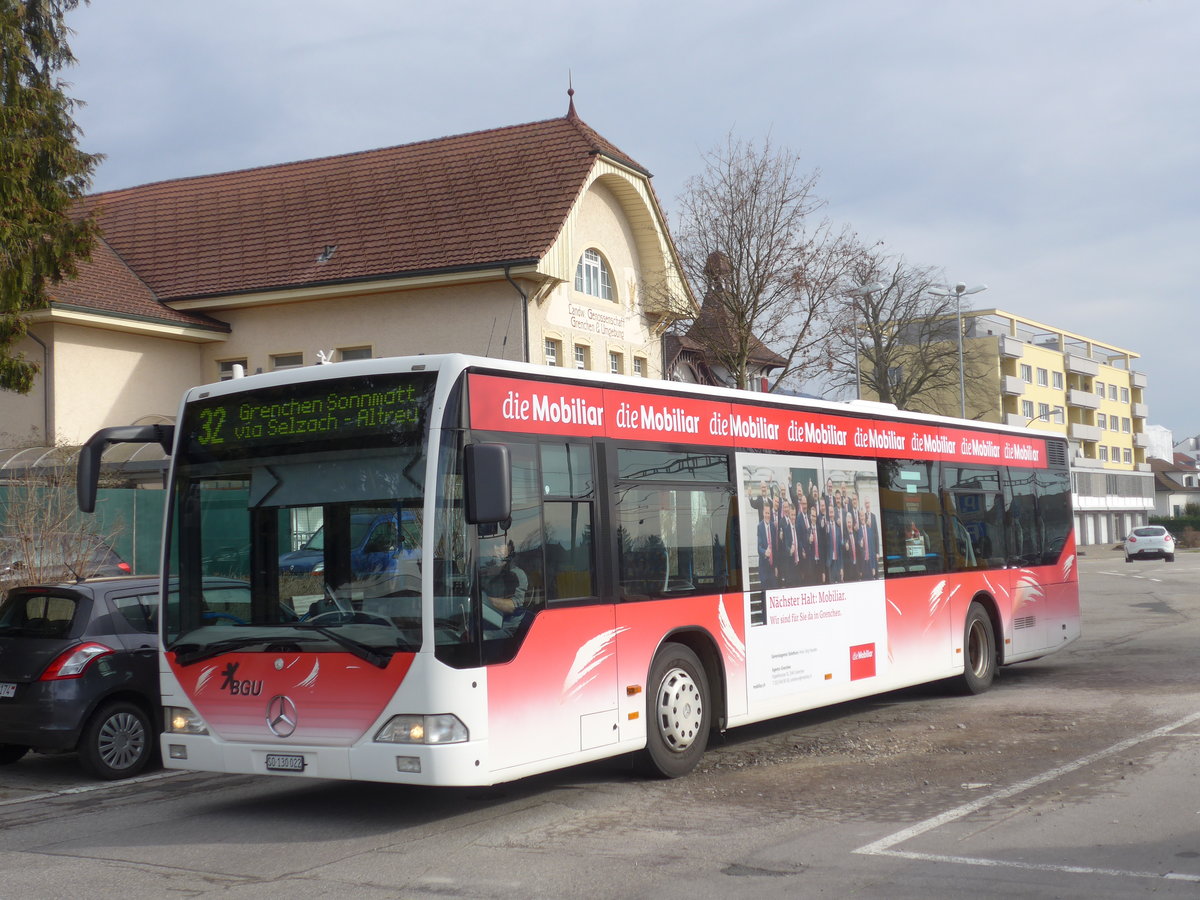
x=7 y=689
x=285 y=762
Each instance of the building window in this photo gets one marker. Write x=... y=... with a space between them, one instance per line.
x=1116 y=454
x=346 y=354
x=225 y=368
x=1043 y=411
x=287 y=361
x=1101 y=421
x=1026 y=373
x=1057 y=377
x=639 y=367
x=1060 y=414
x=591 y=276
x=1127 y=454
x=1100 y=388
x=581 y=357
x=1027 y=408
x=616 y=365
x=1124 y=395
x=1125 y=425
x=1103 y=454
x=1112 y=392
x=1043 y=377
x=553 y=354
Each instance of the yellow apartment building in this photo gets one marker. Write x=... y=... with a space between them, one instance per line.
x=1035 y=375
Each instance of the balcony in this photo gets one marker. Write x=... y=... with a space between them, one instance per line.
x=1085 y=399
x=1012 y=385
x=1137 y=380
x=1141 y=441
x=1011 y=347
x=1081 y=365
x=1081 y=432
x=1140 y=410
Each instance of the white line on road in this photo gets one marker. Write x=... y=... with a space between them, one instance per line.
x=88 y=788
x=883 y=847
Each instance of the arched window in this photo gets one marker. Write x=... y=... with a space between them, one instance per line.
x=592 y=277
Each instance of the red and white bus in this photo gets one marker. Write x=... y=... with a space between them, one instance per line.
x=460 y=571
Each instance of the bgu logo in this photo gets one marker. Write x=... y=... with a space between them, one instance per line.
x=239 y=688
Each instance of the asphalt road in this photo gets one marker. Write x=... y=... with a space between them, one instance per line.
x=1077 y=776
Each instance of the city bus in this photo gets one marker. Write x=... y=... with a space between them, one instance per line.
x=511 y=568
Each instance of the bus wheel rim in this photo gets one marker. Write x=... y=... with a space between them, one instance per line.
x=680 y=710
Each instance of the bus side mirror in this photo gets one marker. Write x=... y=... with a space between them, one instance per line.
x=488 y=483
x=89 y=455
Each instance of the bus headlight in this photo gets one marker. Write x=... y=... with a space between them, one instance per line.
x=444 y=729
x=181 y=720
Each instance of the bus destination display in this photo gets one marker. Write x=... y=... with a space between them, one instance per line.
x=345 y=410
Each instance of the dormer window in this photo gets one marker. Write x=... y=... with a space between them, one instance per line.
x=592 y=276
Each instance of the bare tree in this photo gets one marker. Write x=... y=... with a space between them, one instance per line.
x=748 y=237
x=43 y=536
x=897 y=344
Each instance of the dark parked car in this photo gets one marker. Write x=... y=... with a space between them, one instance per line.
x=58 y=557
x=79 y=670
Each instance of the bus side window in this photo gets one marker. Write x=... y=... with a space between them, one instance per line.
x=911 y=517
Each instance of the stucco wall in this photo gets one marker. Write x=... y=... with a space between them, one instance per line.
x=572 y=317
x=22 y=416
x=483 y=319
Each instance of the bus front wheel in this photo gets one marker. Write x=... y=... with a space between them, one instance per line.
x=678 y=713
x=979 y=650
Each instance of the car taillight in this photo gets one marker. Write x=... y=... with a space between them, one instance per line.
x=74 y=662
x=1168 y=538
x=1132 y=539
x=125 y=567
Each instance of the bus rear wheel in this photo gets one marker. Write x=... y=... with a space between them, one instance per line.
x=979 y=650
x=678 y=713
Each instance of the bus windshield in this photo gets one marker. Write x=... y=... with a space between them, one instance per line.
x=325 y=532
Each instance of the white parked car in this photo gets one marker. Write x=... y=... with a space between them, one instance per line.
x=1149 y=542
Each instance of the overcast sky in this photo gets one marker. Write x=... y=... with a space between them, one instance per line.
x=1046 y=148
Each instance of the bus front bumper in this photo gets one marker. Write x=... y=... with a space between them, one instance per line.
x=445 y=764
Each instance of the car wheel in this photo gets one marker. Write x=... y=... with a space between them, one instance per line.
x=1170 y=557
x=117 y=742
x=1128 y=559
x=10 y=753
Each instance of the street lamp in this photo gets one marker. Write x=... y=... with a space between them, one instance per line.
x=957 y=293
x=862 y=290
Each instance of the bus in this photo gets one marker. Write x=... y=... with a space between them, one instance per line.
x=508 y=568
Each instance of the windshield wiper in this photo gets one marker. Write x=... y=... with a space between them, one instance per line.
x=186 y=654
x=365 y=652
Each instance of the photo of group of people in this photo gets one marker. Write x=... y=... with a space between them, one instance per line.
x=815 y=523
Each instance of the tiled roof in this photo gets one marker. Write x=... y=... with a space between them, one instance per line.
x=106 y=285
x=469 y=201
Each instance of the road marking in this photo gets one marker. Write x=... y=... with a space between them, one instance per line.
x=883 y=847
x=1131 y=575
x=88 y=788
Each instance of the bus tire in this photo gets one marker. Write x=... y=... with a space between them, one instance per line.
x=118 y=741
x=678 y=713
x=979 y=651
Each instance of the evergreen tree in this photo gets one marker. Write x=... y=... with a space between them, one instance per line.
x=43 y=173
